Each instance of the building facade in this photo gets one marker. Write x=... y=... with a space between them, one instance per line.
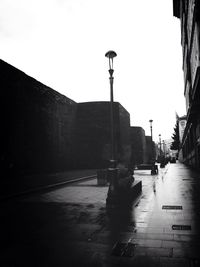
x=188 y=11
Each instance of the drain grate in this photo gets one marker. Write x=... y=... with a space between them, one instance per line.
x=181 y=227
x=171 y=207
x=123 y=249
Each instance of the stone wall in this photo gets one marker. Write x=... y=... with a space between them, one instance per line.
x=44 y=131
x=138 y=145
x=92 y=147
x=150 y=150
x=38 y=124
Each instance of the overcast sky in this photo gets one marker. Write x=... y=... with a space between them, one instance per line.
x=62 y=43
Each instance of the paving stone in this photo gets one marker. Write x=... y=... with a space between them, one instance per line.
x=155 y=236
x=151 y=243
x=151 y=230
x=171 y=262
x=154 y=252
x=182 y=237
x=140 y=261
x=174 y=244
x=169 y=230
x=191 y=252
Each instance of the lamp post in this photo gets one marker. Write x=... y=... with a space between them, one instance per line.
x=111 y=55
x=160 y=144
x=153 y=170
x=150 y=121
x=164 y=152
x=112 y=170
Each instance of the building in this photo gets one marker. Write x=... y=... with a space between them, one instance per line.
x=188 y=11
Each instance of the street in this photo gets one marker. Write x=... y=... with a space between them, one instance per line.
x=70 y=226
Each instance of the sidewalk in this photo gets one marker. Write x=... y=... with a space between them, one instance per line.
x=20 y=185
x=72 y=226
x=163 y=225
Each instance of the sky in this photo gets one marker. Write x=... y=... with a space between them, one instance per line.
x=62 y=43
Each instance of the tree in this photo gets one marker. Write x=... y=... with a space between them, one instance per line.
x=175 y=144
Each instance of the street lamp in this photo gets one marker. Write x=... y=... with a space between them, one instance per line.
x=151 y=130
x=111 y=55
x=112 y=170
x=153 y=170
x=160 y=144
x=164 y=147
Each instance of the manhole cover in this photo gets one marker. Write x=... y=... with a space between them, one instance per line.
x=181 y=227
x=171 y=207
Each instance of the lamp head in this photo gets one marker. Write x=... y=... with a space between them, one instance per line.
x=151 y=122
x=111 y=54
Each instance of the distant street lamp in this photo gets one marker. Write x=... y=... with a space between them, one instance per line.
x=153 y=169
x=150 y=121
x=151 y=130
x=160 y=145
x=164 y=151
x=112 y=170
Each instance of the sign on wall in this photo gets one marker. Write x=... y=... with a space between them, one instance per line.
x=182 y=124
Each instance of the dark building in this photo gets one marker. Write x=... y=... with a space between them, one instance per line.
x=138 y=145
x=37 y=124
x=92 y=135
x=188 y=11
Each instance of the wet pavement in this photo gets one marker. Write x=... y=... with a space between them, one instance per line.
x=70 y=226
x=26 y=184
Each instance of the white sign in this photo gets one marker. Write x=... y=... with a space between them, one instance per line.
x=182 y=124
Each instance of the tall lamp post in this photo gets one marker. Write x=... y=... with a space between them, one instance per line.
x=153 y=169
x=160 y=145
x=164 y=152
x=110 y=55
x=150 y=121
x=112 y=170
